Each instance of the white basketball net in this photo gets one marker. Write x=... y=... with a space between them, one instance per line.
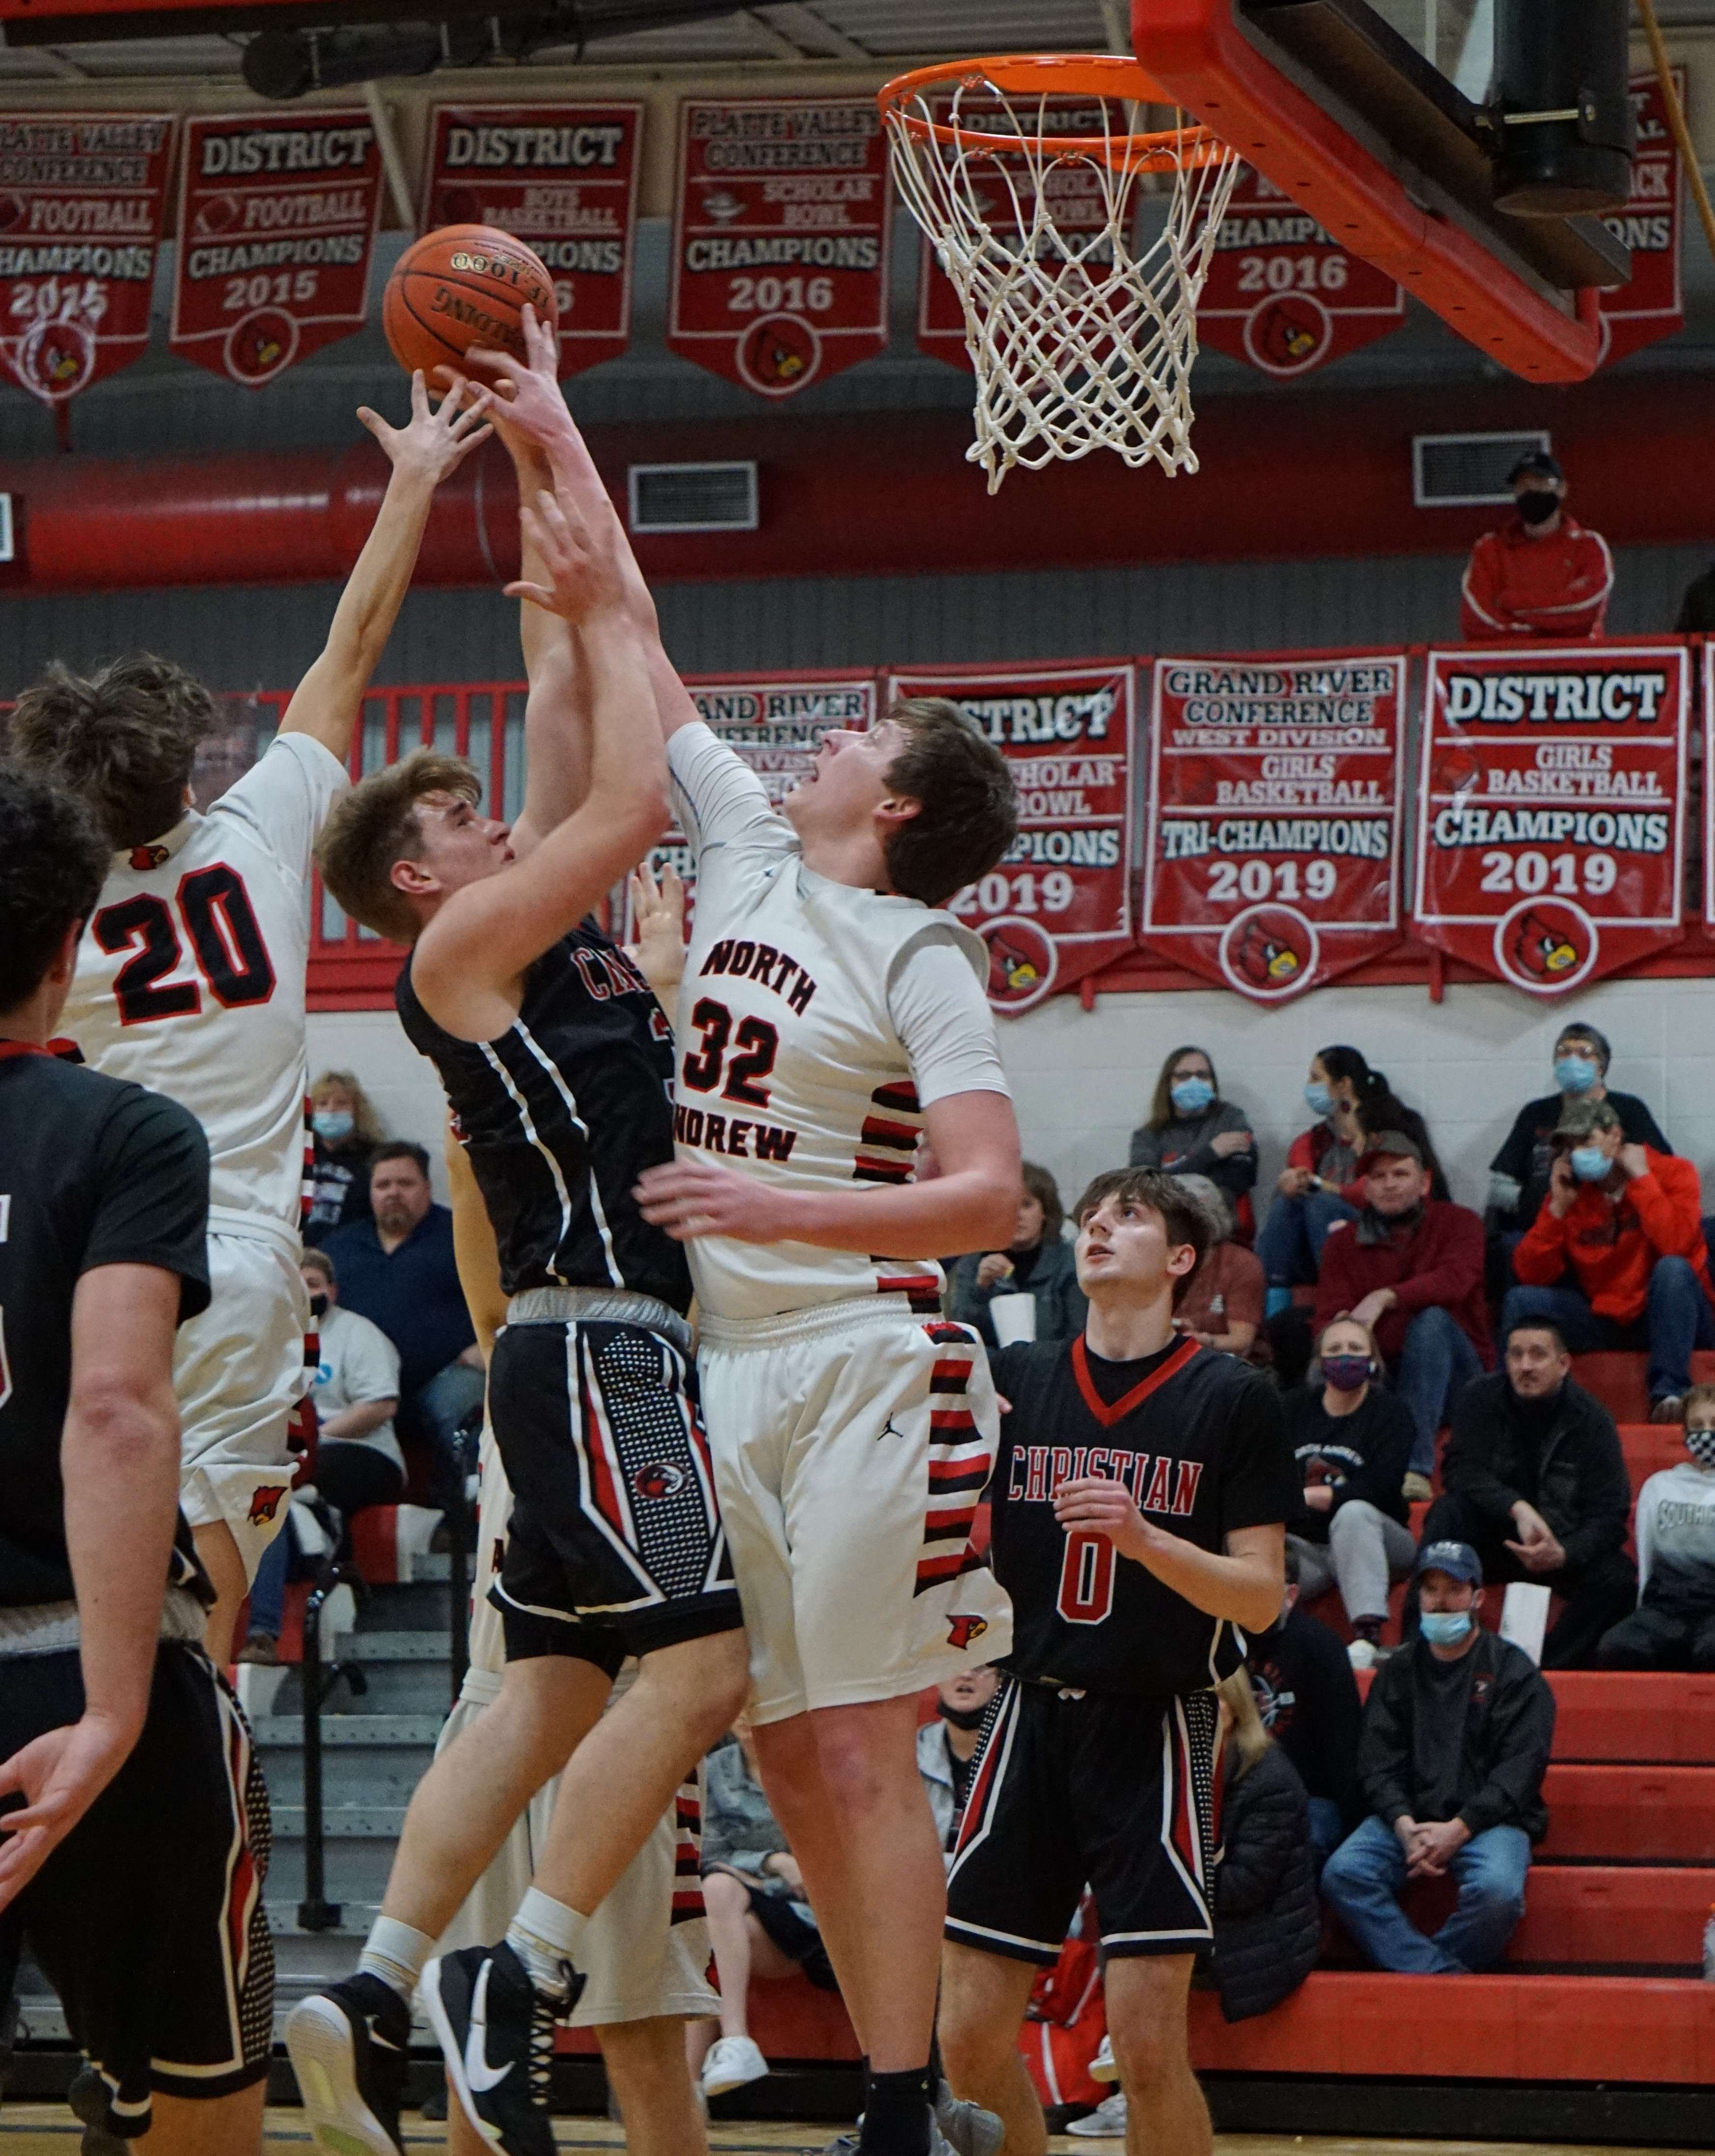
x=1082 y=330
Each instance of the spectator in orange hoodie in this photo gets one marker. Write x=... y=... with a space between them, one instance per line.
x=1625 y=1222
x=1542 y=574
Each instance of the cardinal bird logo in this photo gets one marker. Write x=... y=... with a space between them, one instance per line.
x=1010 y=970
x=961 y=1630
x=265 y=1503
x=779 y=354
x=145 y=858
x=1288 y=334
x=660 y=1478
x=1022 y=963
x=1541 y=948
x=1267 y=959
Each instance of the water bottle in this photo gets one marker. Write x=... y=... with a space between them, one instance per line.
x=1709 y=1948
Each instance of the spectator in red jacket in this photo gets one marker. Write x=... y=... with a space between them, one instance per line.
x=1542 y=574
x=1625 y=1222
x=1410 y=1267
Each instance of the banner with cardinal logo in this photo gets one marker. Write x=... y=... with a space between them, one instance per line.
x=276 y=223
x=1652 y=306
x=1060 y=905
x=1272 y=860
x=82 y=197
x=1551 y=820
x=780 y=237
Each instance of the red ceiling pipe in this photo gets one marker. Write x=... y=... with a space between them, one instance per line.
x=1297 y=477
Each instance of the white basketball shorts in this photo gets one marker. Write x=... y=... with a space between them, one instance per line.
x=851 y=1445
x=646 y=1952
x=238 y=1372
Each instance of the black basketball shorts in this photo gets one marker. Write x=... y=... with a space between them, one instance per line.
x=615 y=1546
x=148 y=1919
x=1115 y=1791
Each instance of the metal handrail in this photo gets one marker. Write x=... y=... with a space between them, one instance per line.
x=316 y=1912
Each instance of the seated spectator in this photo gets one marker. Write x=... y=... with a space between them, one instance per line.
x=1383 y=1110
x=398 y=1269
x=1519 y=1173
x=1318 y=1185
x=358 y=1464
x=1307 y=1697
x=1457 y=1736
x=1191 y=1131
x=1697 y=609
x=1542 y=574
x=1625 y=1224
x=1673 y=1627
x=760 y=1920
x=1352 y=1439
x=1537 y=1483
x=344 y=1132
x=1223 y=1305
x=1039 y=1263
x=946 y=1746
x=1267 y=1920
x=1410 y=1267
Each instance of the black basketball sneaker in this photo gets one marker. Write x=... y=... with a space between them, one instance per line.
x=349 y=2047
x=497 y=2030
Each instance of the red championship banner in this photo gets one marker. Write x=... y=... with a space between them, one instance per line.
x=1550 y=826
x=1709 y=726
x=1008 y=204
x=780 y=234
x=563 y=178
x=276 y=223
x=1272 y=862
x=1060 y=905
x=1282 y=293
x=776 y=727
x=1652 y=306
x=81 y=200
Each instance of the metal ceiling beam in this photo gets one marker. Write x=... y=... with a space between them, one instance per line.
x=811 y=21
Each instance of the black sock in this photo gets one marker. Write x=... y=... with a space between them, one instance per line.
x=896 y=2115
x=937 y=2072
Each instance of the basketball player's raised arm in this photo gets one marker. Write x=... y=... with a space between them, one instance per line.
x=434 y=442
x=467 y=964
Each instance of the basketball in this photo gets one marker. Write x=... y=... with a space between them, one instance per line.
x=463 y=286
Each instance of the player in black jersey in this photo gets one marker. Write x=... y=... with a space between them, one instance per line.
x=556 y=1062
x=1141 y=1494
x=134 y=1819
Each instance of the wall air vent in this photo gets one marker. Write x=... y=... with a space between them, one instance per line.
x=693 y=497
x=1466 y=471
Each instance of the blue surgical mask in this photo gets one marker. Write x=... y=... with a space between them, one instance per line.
x=1319 y=1101
x=1191 y=1096
x=1589 y=1163
x=330 y=1125
x=1574 y=1074
x=1445 y=1628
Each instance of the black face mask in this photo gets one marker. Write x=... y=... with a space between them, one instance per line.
x=1538 y=505
x=963 y=1718
x=318 y=1306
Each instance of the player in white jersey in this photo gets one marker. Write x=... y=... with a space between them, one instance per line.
x=831 y=1018
x=190 y=978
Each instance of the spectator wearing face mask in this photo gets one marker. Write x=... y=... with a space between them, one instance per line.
x=1038 y=1262
x=1542 y=574
x=1616 y=1256
x=1352 y=1441
x=1457 y=1736
x=345 y=1132
x=1191 y=1131
x=1318 y=1186
x=946 y=1746
x=1307 y=1697
x=1411 y=1269
x=1537 y=1483
x=1519 y=1173
x=1222 y=1308
x=1673 y=1627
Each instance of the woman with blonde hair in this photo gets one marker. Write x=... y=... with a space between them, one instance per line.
x=1267 y=1919
x=345 y=1131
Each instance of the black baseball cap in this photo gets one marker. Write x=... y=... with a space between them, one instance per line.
x=1538 y=463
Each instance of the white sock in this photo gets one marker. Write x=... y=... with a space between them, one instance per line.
x=544 y=1935
x=395 y=1952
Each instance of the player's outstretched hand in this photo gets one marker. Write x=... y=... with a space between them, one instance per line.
x=59 y=1776
x=1095 y=1505
x=529 y=394
x=692 y=1197
x=659 y=910
x=436 y=439
x=584 y=573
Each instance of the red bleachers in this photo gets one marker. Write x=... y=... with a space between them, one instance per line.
x=1622 y=1381
x=1660 y=1814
